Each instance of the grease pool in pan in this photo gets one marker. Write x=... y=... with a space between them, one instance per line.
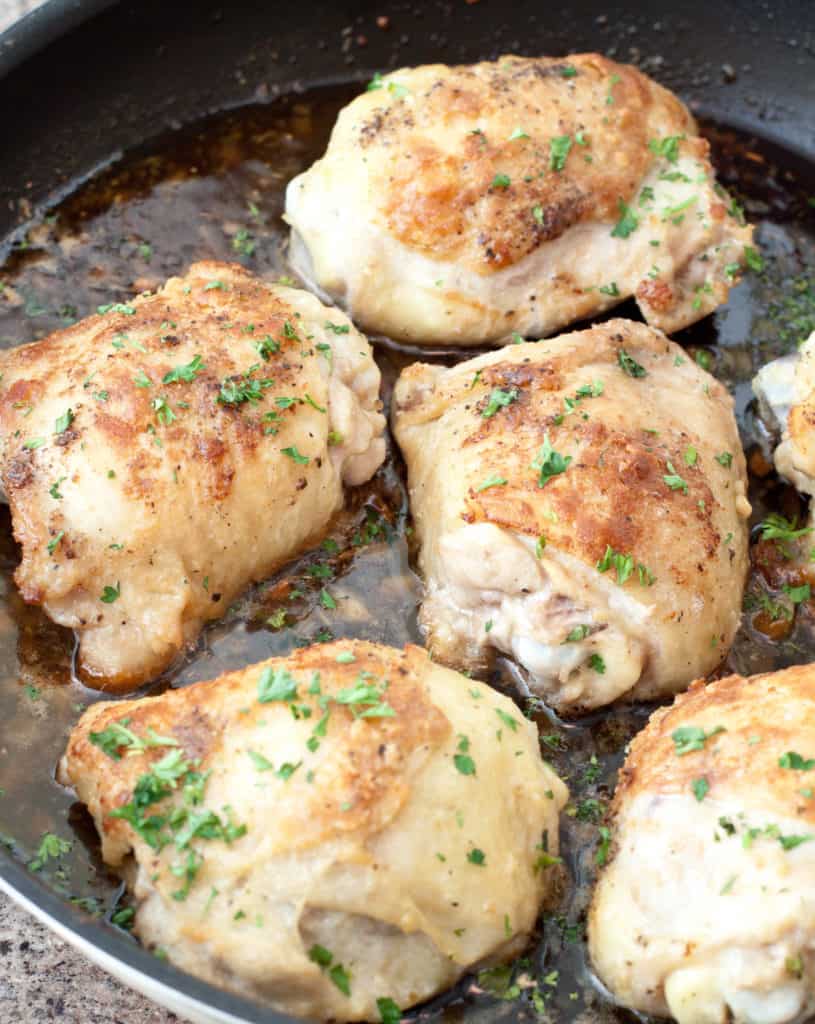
x=216 y=190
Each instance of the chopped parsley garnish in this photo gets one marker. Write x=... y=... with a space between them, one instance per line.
x=237 y=390
x=325 y=960
x=518 y=133
x=292 y=452
x=752 y=257
x=603 y=846
x=266 y=347
x=118 y=736
x=462 y=760
x=116 y=307
x=141 y=380
x=34 y=442
x=477 y=857
x=186 y=373
x=630 y=365
x=337 y=328
x=51 y=848
x=64 y=421
x=276 y=684
x=507 y=719
x=491 y=481
x=627 y=223
x=161 y=407
x=52 y=544
x=688 y=738
x=624 y=566
x=596 y=662
x=260 y=762
x=674 y=480
x=795 y=762
x=776 y=528
x=54 y=490
x=111 y=594
x=690 y=456
x=568 y=71
x=667 y=147
x=576 y=635
x=389 y=1012
x=500 y=181
x=724 y=459
x=549 y=463
x=700 y=787
x=559 y=149
x=797 y=594
x=609 y=289
x=499 y=399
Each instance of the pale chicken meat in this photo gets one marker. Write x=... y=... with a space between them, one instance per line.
x=162 y=455
x=347 y=825
x=579 y=505
x=705 y=911
x=785 y=389
x=456 y=205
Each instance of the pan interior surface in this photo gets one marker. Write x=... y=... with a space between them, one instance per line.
x=127 y=206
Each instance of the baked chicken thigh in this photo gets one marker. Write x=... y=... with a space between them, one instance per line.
x=580 y=505
x=162 y=455
x=706 y=911
x=786 y=394
x=339 y=831
x=456 y=205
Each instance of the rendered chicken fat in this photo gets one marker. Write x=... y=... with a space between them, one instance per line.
x=705 y=911
x=161 y=456
x=455 y=205
x=580 y=505
x=378 y=843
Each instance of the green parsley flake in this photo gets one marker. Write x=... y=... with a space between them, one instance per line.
x=549 y=463
x=700 y=788
x=630 y=365
x=499 y=399
x=795 y=762
x=111 y=594
x=689 y=738
x=186 y=373
x=627 y=223
x=491 y=481
x=559 y=149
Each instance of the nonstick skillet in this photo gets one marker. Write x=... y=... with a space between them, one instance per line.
x=141 y=129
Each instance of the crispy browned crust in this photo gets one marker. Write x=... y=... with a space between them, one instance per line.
x=445 y=203
x=363 y=774
x=764 y=716
x=614 y=492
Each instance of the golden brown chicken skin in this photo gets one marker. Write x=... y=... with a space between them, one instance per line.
x=579 y=505
x=348 y=824
x=162 y=455
x=705 y=911
x=455 y=205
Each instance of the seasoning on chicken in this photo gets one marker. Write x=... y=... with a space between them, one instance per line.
x=580 y=506
x=455 y=205
x=164 y=454
x=342 y=830
x=704 y=911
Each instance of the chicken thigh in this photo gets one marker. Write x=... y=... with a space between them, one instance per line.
x=456 y=205
x=706 y=910
x=162 y=455
x=580 y=505
x=344 y=829
x=785 y=389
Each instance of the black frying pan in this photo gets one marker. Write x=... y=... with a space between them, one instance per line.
x=82 y=81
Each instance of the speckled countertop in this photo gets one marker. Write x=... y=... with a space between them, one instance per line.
x=41 y=978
